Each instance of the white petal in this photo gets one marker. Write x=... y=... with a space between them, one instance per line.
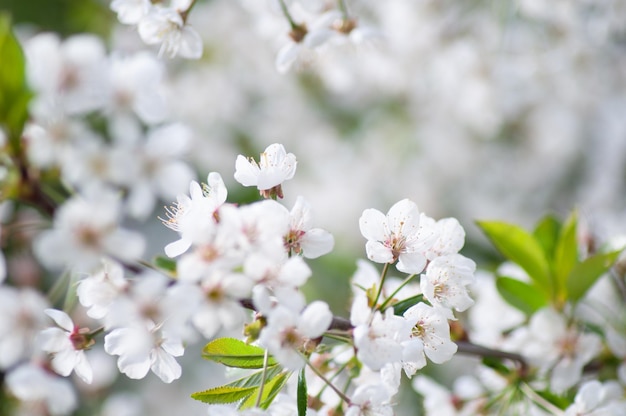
x=165 y=366
x=61 y=319
x=177 y=247
x=377 y=252
x=412 y=263
x=246 y=172
x=372 y=225
x=316 y=243
x=63 y=362
x=315 y=319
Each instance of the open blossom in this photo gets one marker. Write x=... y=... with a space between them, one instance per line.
x=302 y=238
x=38 y=388
x=431 y=328
x=275 y=166
x=67 y=343
x=195 y=214
x=288 y=331
x=445 y=282
x=85 y=230
x=165 y=26
x=141 y=350
x=396 y=236
x=98 y=291
x=598 y=399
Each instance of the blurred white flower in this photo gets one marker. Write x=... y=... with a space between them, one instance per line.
x=130 y=11
x=141 y=349
x=165 y=26
x=37 y=387
x=67 y=343
x=275 y=166
x=70 y=75
x=85 y=230
x=21 y=318
x=288 y=332
x=98 y=291
x=370 y=400
x=598 y=399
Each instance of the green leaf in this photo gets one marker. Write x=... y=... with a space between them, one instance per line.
x=224 y=394
x=521 y=248
x=14 y=94
x=235 y=353
x=271 y=388
x=547 y=233
x=254 y=379
x=521 y=295
x=585 y=274
x=400 y=307
x=165 y=263
x=566 y=252
x=302 y=393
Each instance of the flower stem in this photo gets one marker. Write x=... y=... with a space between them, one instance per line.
x=263 y=378
x=285 y=10
x=395 y=292
x=317 y=372
x=383 y=275
x=343 y=8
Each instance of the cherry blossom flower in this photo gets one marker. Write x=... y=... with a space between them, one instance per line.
x=287 y=332
x=130 y=11
x=195 y=214
x=431 y=328
x=445 y=282
x=302 y=238
x=275 y=167
x=67 y=343
x=142 y=349
x=595 y=399
x=85 y=229
x=21 y=319
x=36 y=387
x=165 y=26
x=378 y=338
x=556 y=347
x=98 y=291
x=370 y=400
x=396 y=236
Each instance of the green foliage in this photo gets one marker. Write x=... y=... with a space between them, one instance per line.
x=269 y=391
x=14 y=94
x=400 y=307
x=302 y=395
x=166 y=264
x=235 y=353
x=551 y=259
x=521 y=248
x=246 y=390
x=525 y=297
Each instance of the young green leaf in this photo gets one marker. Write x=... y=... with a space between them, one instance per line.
x=585 y=274
x=400 y=307
x=547 y=233
x=165 y=263
x=521 y=295
x=271 y=388
x=522 y=248
x=224 y=394
x=302 y=395
x=235 y=353
x=254 y=379
x=14 y=93
x=566 y=252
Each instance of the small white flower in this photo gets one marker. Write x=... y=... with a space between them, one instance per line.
x=67 y=343
x=275 y=166
x=370 y=400
x=302 y=238
x=32 y=384
x=598 y=399
x=287 y=331
x=396 y=236
x=445 y=282
x=98 y=291
x=85 y=230
x=165 y=26
x=430 y=326
x=130 y=11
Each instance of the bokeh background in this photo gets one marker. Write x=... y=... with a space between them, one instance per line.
x=477 y=109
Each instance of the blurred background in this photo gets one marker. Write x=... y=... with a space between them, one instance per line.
x=477 y=109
